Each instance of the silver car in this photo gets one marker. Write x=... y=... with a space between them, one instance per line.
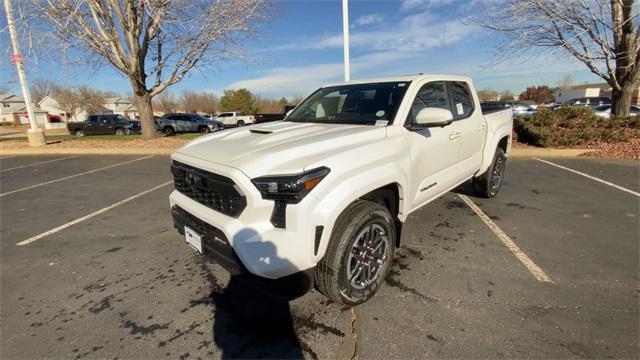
x=174 y=123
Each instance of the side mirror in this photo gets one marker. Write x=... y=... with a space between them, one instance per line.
x=432 y=117
x=288 y=113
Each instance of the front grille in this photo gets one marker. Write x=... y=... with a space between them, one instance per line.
x=214 y=191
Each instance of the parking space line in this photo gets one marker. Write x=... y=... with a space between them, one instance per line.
x=38 y=163
x=534 y=269
x=73 y=176
x=591 y=177
x=89 y=216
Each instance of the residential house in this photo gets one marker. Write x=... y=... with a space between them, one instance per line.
x=51 y=106
x=121 y=106
x=14 y=110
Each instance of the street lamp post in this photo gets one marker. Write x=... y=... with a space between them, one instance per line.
x=345 y=38
x=35 y=135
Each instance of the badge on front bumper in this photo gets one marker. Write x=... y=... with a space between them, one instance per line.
x=193 y=239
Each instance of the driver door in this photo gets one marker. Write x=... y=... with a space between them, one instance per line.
x=433 y=151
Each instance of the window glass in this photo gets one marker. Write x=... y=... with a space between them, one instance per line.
x=462 y=104
x=93 y=119
x=430 y=95
x=362 y=104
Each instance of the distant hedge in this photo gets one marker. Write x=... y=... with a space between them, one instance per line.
x=571 y=126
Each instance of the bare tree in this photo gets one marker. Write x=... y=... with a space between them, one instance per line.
x=166 y=102
x=566 y=82
x=154 y=43
x=68 y=100
x=41 y=88
x=189 y=101
x=90 y=100
x=208 y=103
x=599 y=33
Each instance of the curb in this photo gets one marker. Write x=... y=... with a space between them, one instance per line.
x=515 y=152
x=536 y=152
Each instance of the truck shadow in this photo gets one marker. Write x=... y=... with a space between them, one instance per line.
x=250 y=322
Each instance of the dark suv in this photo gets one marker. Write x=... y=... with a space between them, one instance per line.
x=104 y=125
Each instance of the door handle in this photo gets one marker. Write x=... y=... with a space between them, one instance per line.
x=454 y=135
x=481 y=127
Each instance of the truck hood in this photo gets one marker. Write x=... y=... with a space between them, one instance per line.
x=280 y=147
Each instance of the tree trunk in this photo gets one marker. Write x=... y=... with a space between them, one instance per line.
x=621 y=100
x=146 y=116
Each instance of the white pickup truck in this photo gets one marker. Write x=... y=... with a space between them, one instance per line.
x=320 y=197
x=232 y=118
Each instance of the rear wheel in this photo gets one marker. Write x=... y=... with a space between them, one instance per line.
x=120 y=132
x=204 y=129
x=359 y=254
x=79 y=133
x=488 y=184
x=168 y=130
x=240 y=123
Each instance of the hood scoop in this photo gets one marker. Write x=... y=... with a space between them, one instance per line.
x=258 y=131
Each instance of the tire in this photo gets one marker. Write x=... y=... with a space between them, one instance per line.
x=488 y=184
x=79 y=133
x=240 y=123
x=204 y=129
x=120 y=132
x=168 y=130
x=350 y=252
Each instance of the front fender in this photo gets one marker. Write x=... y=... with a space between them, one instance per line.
x=355 y=186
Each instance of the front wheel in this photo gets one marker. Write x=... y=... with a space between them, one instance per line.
x=168 y=130
x=240 y=123
x=120 y=132
x=488 y=184
x=359 y=254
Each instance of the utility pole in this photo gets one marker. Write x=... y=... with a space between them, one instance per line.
x=35 y=135
x=345 y=38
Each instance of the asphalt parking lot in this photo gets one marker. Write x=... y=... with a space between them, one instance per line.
x=101 y=273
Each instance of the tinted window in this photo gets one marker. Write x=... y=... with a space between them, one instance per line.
x=602 y=108
x=93 y=119
x=361 y=104
x=433 y=95
x=461 y=100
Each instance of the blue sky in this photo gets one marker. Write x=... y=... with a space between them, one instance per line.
x=302 y=49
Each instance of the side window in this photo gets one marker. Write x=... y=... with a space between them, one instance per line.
x=462 y=104
x=93 y=119
x=432 y=94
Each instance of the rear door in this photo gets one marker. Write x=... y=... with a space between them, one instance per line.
x=94 y=126
x=472 y=127
x=433 y=151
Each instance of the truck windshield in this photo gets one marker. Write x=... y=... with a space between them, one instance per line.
x=361 y=104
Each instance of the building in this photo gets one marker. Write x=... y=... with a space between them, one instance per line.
x=581 y=91
x=121 y=106
x=14 y=110
x=51 y=106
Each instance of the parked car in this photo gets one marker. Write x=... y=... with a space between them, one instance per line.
x=235 y=118
x=104 y=125
x=263 y=118
x=588 y=101
x=321 y=196
x=605 y=111
x=173 y=123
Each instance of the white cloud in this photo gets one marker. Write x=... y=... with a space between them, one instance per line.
x=368 y=19
x=411 y=4
x=287 y=81
x=416 y=32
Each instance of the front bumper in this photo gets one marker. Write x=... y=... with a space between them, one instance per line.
x=216 y=246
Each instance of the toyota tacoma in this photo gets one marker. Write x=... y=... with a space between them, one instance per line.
x=319 y=198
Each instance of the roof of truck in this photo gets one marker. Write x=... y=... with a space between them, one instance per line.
x=399 y=78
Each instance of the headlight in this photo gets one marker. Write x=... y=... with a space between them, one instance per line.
x=290 y=188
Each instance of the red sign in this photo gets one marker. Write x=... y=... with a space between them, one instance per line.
x=16 y=58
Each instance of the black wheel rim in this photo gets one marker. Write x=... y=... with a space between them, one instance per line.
x=368 y=255
x=497 y=173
